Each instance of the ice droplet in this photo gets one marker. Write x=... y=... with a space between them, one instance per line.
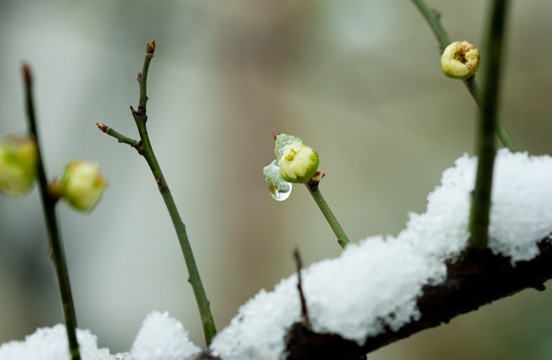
x=278 y=187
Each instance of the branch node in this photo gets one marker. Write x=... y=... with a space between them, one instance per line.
x=139 y=146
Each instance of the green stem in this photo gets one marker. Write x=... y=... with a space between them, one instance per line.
x=481 y=203
x=146 y=150
x=56 y=252
x=342 y=238
x=501 y=132
x=433 y=18
x=117 y=135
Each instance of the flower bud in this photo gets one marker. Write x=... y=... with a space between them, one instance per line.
x=81 y=186
x=298 y=163
x=460 y=60
x=18 y=156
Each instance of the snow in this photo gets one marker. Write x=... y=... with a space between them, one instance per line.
x=163 y=338
x=160 y=338
x=51 y=344
x=373 y=284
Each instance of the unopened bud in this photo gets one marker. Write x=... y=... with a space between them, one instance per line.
x=81 y=186
x=18 y=156
x=460 y=60
x=150 y=49
x=297 y=162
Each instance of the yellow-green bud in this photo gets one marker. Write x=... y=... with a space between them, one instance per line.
x=81 y=186
x=18 y=156
x=460 y=60
x=298 y=163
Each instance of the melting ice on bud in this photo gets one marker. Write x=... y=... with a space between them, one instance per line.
x=297 y=162
x=278 y=187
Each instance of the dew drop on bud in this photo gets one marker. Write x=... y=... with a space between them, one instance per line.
x=278 y=187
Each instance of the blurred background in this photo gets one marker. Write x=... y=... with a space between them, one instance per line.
x=358 y=80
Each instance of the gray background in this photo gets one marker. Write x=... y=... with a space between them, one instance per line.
x=358 y=80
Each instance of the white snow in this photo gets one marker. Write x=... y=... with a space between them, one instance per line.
x=373 y=284
x=377 y=282
x=51 y=344
x=160 y=338
x=163 y=338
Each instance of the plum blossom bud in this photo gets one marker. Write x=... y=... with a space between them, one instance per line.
x=460 y=60
x=81 y=185
x=18 y=157
x=297 y=162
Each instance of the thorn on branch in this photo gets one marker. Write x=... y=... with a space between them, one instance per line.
x=304 y=310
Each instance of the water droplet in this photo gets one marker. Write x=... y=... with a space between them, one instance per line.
x=278 y=187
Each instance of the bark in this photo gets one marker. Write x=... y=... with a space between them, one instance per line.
x=477 y=279
x=473 y=281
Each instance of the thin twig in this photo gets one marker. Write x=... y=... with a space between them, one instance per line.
x=501 y=131
x=117 y=135
x=481 y=203
x=433 y=18
x=147 y=151
x=304 y=309
x=56 y=252
x=314 y=190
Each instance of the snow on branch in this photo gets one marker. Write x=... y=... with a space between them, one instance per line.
x=383 y=289
x=386 y=288
x=471 y=283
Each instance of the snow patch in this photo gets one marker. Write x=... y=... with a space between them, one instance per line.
x=373 y=284
x=163 y=338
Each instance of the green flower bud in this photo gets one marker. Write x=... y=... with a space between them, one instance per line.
x=298 y=162
x=81 y=186
x=460 y=60
x=18 y=156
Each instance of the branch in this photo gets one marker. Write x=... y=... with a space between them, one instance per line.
x=56 y=252
x=145 y=149
x=488 y=119
x=433 y=18
x=314 y=190
x=472 y=282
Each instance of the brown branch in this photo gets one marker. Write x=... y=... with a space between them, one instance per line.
x=475 y=280
x=304 y=309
